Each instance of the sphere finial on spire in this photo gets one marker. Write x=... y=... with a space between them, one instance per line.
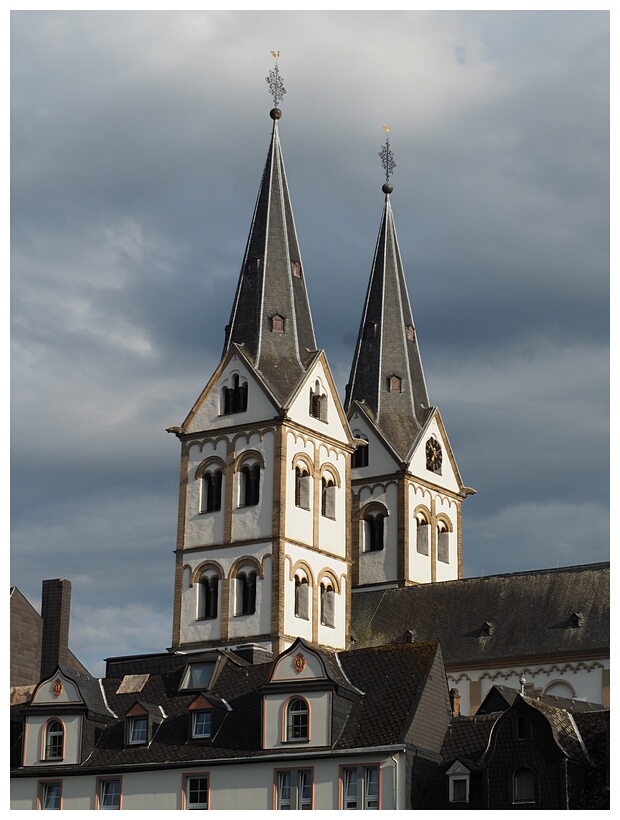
x=387 y=161
x=276 y=88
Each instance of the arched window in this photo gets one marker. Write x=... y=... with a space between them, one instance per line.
x=328 y=497
x=302 y=597
x=422 y=534
x=249 y=490
x=327 y=604
x=245 y=593
x=211 y=491
x=374 y=530
x=54 y=740
x=360 y=456
x=443 y=542
x=318 y=402
x=235 y=398
x=302 y=488
x=208 y=589
x=524 y=786
x=297 y=720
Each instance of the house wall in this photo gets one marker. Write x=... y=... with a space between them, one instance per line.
x=236 y=786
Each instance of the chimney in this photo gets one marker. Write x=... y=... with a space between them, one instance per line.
x=455 y=702
x=55 y=610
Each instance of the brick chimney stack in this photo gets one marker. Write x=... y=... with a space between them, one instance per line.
x=455 y=702
x=55 y=612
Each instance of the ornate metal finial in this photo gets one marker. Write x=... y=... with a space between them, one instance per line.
x=387 y=161
x=274 y=81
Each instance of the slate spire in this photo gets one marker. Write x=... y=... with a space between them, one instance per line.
x=387 y=376
x=271 y=317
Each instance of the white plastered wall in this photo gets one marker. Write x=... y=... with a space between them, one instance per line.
x=203 y=528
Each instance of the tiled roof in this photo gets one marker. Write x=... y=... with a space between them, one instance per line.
x=467 y=738
x=528 y=612
x=392 y=678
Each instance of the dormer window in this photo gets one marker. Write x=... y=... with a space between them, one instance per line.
x=254 y=264
x=394 y=384
x=370 y=330
x=137 y=731
x=277 y=324
x=458 y=783
x=297 y=269
x=297 y=720
x=574 y=622
x=54 y=740
x=410 y=333
x=485 y=630
x=201 y=724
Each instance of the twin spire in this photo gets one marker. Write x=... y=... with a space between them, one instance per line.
x=272 y=323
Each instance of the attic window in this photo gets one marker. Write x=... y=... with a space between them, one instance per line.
x=201 y=723
x=253 y=265
x=297 y=269
x=137 y=731
x=277 y=324
x=574 y=621
x=485 y=630
x=370 y=330
x=198 y=675
x=394 y=384
x=410 y=333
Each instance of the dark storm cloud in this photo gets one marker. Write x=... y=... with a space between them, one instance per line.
x=138 y=141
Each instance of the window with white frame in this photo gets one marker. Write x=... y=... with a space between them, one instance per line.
x=109 y=794
x=196 y=791
x=54 y=740
x=137 y=731
x=458 y=783
x=297 y=720
x=294 y=789
x=50 y=794
x=360 y=787
x=201 y=723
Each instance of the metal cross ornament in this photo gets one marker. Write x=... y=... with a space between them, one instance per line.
x=387 y=157
x=274 y=81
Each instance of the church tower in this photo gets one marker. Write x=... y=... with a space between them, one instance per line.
x=406 y=487
x=264 y=507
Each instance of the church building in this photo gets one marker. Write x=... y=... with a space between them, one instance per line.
x=318 y=574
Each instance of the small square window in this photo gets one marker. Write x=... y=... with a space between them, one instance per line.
x=198 y=675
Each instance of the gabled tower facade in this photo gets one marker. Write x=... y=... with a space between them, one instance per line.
x=264 y=508
x=406 y=488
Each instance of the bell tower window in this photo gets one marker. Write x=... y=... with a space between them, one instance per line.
x=235 y=398
x=318 y=403
x=422 y=534
x=211 y=491
x=208 y=588
x=327 y=604
x=249 y=495
x=302 y=597
x=443 y=542
x=302 y=488
x=374 y=530
x=328 y=497
x=245 y=593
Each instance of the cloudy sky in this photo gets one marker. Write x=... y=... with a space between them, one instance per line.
x=138 y=142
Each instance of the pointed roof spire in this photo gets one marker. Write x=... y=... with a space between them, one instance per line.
x=271 y=314
x=387 y=375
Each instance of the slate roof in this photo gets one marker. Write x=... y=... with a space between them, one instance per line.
x=399 y=416
x=467 y=739
x=392 y=679
x=528 y=612
x=273 y=288
x=508 y=696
